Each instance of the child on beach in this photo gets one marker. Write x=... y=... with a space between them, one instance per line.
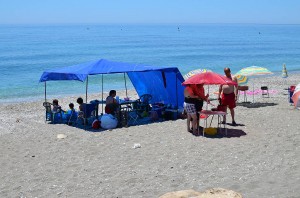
x=55 y=107
x=71 y=113
x=80 y=102
x=71 y=110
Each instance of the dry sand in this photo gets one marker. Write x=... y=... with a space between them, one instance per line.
x=260 y=158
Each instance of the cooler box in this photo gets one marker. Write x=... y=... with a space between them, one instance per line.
x=171 y=114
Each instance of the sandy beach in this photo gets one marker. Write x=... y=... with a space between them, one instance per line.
x=259 y=158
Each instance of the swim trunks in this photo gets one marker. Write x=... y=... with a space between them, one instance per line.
x=228 y=100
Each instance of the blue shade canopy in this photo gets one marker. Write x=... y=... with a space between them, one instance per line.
x=163 y=83
x=102 y=66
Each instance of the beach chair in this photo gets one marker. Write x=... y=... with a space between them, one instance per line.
x=50 y=115
x=88 y=113
x=264 y=91
x=70 y=117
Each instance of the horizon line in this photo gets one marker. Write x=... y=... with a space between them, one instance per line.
x=146 y=23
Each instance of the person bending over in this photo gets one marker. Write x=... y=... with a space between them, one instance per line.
x=191 y=103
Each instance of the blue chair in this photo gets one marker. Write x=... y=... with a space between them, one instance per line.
x=89 y=112
x=70 y=117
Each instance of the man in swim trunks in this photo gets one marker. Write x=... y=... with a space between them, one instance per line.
x=229 y=95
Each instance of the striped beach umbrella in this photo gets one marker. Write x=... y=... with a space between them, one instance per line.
x=284 y=72
x=194 y=72
x=254 y=71
x=242 y=80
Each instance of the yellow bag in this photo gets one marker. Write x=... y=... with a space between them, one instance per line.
x=210 y=131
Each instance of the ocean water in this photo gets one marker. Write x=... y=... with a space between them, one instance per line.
x=28 y=50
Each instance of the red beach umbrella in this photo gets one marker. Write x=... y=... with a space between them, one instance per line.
x=209 y=78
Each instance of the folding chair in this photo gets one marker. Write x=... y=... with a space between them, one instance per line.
x=50 y=115
x=143 y=104
x=264 y=91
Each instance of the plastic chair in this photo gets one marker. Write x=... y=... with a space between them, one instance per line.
x=264 y=91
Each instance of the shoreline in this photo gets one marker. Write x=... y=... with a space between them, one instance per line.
x=71 y=95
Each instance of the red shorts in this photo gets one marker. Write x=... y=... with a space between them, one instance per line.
x=228 y=100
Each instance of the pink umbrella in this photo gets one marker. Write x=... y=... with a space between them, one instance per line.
x=209 y=78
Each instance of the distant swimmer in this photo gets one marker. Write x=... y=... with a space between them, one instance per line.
x=178 y=29
x=258 y=32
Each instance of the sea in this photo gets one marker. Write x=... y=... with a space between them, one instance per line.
x=26 y=51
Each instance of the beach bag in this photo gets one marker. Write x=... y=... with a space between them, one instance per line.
x=108 y=121
x=96 y=124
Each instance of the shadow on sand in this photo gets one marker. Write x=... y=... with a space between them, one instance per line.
x=231 y=133
x=257 y=104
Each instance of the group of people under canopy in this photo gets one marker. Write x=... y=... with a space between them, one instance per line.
x=163 y=83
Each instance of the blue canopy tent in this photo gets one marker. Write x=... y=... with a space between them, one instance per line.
x=163 y=83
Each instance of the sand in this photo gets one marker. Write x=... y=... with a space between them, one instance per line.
x=259 y=158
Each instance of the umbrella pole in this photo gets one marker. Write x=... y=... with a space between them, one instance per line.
x=85 y=109
x=125 y=84
x=208 y=93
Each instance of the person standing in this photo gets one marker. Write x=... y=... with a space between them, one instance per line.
x=228 y=95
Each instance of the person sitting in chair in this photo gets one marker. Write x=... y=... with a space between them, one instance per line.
x=70 y=113
x=111 y=103
x=71 y=110
x=80 y=102
x=55 y=107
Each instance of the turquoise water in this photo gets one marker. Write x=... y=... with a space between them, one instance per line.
x=28 y=50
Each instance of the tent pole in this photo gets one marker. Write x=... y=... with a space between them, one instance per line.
x=45 y=91
x=86 y=88
x=102 y=94
x=176 y=92
x=125 y=84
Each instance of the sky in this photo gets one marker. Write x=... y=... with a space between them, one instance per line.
x=149 y=11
